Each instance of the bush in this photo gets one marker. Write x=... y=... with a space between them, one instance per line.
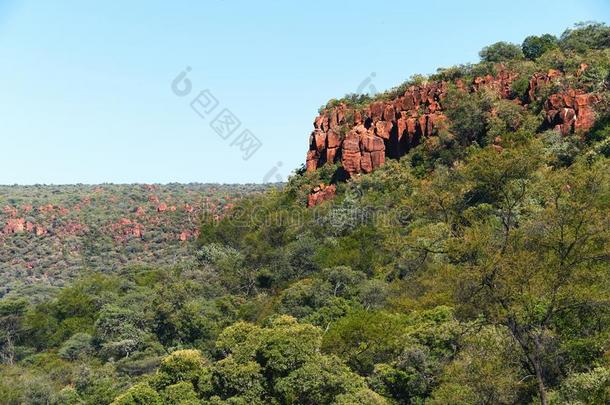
x=560 y=151
x=78 y=346
x=304 y=297
x=596 y=77
x=520 y=87
x=38 y=391
x=487 y=355
x=68 y=396
x=508 y=117
x=600 y=136
x=586 y=388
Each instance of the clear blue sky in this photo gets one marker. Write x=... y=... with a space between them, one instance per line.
x=86 y=89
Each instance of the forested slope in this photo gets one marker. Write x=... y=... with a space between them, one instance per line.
x=471 y=268
x=50 y=235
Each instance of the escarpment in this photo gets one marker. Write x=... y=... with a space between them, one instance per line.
x=361 y=139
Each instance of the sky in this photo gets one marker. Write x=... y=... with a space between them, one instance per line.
x=90 y=90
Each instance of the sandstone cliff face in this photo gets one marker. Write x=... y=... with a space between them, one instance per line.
x=384 y=129
x=363 y=139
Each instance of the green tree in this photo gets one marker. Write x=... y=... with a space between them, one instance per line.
x=534 y=46
x=468 y=114
x=365 y=338
x=78 y=346
x=12 y=311
x=319 y=381
x=140 y=394
x=585 y=36
x=501 y=52
x=68 y=396
x=117 y=332
x=181 y=366
x=486 y=367
x=363 y=396
x=526 y=270
x=591 y=387
x=231 y=379
x=182 y=393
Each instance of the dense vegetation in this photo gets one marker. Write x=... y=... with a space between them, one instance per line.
x=465 y=273
x=62 y=230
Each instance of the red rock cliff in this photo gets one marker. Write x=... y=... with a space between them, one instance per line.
x=362 y=139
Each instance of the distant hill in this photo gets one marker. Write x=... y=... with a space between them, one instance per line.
x=49 y=234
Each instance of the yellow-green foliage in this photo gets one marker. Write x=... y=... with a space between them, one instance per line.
x=140 y=394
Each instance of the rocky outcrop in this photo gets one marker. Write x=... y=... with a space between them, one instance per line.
x=362 y=139
x=45 y=209
x=71 y=228
x=10 y=211
x=40 y=230
x=320 y=194
x=15 y=225
x=571 y=111
x=20 y=225
x=126 y=228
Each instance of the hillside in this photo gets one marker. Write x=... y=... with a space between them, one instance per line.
x=559 y=92
x=49 y=235
x=361 y=137
x=446 y=242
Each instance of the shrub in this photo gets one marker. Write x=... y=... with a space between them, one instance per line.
x=586 y=388
x=37 y=391
x=520 y=87
x=596 y=77
x=508 y=117
x=68 y=396
x=560 y=150
x=78 y=346
x=304 y=297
